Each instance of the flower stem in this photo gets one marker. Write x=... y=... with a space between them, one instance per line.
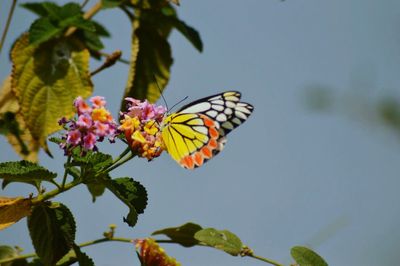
x=120 y=160
x=272 y=262
x=105 y=239
x=55 y=192
x=10 y=14
x=65 y=172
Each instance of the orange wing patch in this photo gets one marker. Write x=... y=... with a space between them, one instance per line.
x=198 y=157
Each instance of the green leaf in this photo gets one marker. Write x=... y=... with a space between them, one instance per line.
x=24 y=171
x=132 y=193
x=306 y=257
x=69 y=10
x=53 y=10
x=46 y=80
x=83 y=259
x=37 y=8
x=191 y=34
x=111 y=3
x=96 y=189
x=91 y=162
x=79 y=22
x=52 y=230
x=220 y=239
x=91 y=39
x=42 y=30
x=183 y=235
x=100 y=29
x=150 y=57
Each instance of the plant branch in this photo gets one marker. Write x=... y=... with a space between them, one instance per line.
x=10 y=14
x=119 y=162
x=55 y=192
x=122 y=60
x=272 y=262
x=110 y=61
x=26 y=256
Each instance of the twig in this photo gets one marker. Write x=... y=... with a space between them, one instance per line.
x=10 y=14
x=125 y=61
x=110 y=61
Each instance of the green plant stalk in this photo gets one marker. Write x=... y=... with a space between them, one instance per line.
x=65 y=173
x=10 y=14
x=119 y=162
x=272 y=262
x=55 y=192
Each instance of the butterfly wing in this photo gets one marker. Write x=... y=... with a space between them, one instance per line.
x=196 y=132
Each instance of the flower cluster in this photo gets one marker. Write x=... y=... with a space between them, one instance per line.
x=141 y=126
x=151 y=254
x=92 y=124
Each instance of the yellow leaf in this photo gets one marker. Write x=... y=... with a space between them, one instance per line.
x=23 y=143
x=12 y=210
x=46 y=79
x=8 y=101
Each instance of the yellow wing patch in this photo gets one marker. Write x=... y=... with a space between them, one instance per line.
x=189 y=145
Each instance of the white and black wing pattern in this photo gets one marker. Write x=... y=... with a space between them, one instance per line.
x=224 y=108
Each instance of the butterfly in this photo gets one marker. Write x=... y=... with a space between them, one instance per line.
x=197 y=132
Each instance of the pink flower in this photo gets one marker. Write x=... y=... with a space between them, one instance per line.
x=98 y=101
x=84 y=121
x=101 y=129
x=92 y=125
x=74 y=137
x=89 y=141
x=141 y=126
x=81 y=106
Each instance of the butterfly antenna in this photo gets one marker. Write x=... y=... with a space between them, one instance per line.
x=162 y=95
x=184 y=99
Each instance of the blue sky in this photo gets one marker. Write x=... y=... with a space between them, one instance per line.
x=290 y=175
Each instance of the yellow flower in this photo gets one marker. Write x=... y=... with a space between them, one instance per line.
x=151 y=127
x=129 y=123
x=138 y=137
x=101 y=114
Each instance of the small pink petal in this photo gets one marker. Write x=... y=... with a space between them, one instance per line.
x=84 y=121
x=89 y=141
x=74 y=137
x=98 y=101
x=81 y=106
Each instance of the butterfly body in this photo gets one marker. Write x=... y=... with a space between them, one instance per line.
x=196 y=132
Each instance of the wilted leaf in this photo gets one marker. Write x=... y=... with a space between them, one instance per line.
x=53 y=241
x=12 y=210
x=46 y=80
x=8 y=101
x=13 y=126
x=184 y=234
x=220 y=239
x=306 y=257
